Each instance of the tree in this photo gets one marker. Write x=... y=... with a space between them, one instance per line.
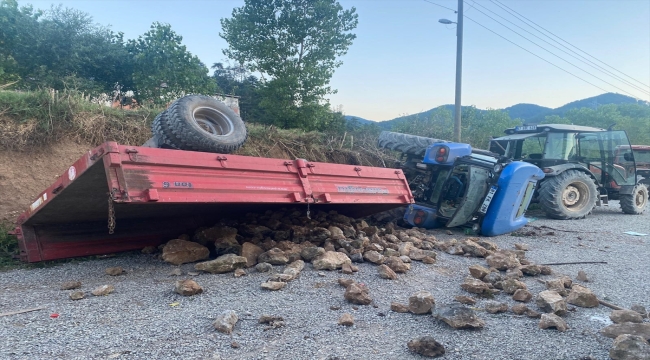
x=294 y=45
x=238 y=81
x=163 y=69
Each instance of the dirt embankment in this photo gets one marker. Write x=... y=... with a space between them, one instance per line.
x=24 y=174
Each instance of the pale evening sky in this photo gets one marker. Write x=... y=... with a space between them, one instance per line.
x=403 y=60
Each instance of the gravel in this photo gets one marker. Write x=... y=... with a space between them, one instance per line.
x=145 y=319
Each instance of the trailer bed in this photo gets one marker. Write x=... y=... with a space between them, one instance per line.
x=120 y=198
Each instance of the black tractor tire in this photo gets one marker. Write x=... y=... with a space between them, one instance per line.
x=569 y=195
x=200 y=123
x=408 y=144
x=637 y=202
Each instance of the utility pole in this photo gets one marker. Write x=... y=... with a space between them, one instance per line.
x=459 y=69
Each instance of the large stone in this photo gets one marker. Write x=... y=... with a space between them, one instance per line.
x=373 y=257
x=222 y=264
x=311 y=252
x=494 y=307
x=458 y=317
x=103 y=290
x=531 y=270
x=502 y=260
x=552 y=321
x=474 y=286
x=386 y=273
x=510 y=286
x=522 y=295
x=187 y=288
x=421 y=302
x=71 y=285
x=273 y=285
x=630 y=347
x=474 y=249
x=275 y=256
x=623 y=316
x=330 y=260
x=357 y=294
x=346 y=320
x=400 y=308
x=614 y=330
x=550 y=301
x=582 y=296
x=426 y=346
x=251 y=252
x=225 y=322
x=336 y=233
x=396 y=264
x=478 y=271
x=179 y=252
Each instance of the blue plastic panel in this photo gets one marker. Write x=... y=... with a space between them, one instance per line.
x=503 y=214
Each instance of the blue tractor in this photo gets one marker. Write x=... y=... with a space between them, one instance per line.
x=455 y=185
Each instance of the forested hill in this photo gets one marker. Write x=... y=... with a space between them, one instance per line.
x=528 y=113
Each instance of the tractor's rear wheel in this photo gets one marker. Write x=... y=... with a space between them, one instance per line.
x=635 y=203
x=570 y=195
x=408 y=144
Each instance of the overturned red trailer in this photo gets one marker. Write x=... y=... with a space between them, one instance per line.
x=119 y=198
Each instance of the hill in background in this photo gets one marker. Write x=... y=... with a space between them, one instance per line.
x=528 y=113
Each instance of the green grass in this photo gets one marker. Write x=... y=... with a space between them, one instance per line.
x=8 y=247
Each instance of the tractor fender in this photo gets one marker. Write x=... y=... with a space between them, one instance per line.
x=558 y=169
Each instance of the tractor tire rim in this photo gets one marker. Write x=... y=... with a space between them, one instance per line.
x=641 y=199
x=212 y=121
x=574 y=196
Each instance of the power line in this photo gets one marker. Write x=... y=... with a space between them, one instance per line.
x=584 y=52
x=591 y=63
x=432 y=3
x=552 y=53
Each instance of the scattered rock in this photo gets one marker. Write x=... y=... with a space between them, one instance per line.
x=623 y=316
x=514 y=273
x=346 y=320
x=510 y=286
x=263 y=267
x=630 y=347
x=551 y=302
x=640 y=309
x=347 y=269
x=357 y=294
x=519 y=309
x=179 y=252
x=187 y=288
x=373 y=257
x=531 y=270
x=103 y=290
x=522 y=247
x=176 y=272
x=345 y=282
x=71 y=285
x=494 y=307
x=421 y=302
x=473 y=249
x=493 y=277
x=448 y=232
x=582 y=296
x=222 y=264
x=356 y=258
x=400 y=308
x=614 y=330
x=557 y=285
x=465 y=300
x=426 y=346
x=274 y=256
x=396 y=264
x=474 y=286
x=273 y=285
x=330 y=260
x=149 y=250
x=225 y=322
x=532 y=314
x=234 y=345
x=458 y=317
x=545 y=269
x=552 y=321
x=272 y=321
x=582 y=276
x=502 y=261
x=312 y=252
x=114 y=271
x=77 y=295
x=522 y=295
x=419 y=254
x=386 y=273
x=251 y=252
x=478 y=271
x=428 y=260
x=240 y=273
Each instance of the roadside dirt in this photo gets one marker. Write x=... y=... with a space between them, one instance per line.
x=24 y=174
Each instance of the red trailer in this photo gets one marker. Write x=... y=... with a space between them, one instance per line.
x=120 y=198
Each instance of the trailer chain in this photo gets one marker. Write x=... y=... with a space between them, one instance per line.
x=308 y=212
x=111 y=212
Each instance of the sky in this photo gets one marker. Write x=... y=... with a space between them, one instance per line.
x=403 y=60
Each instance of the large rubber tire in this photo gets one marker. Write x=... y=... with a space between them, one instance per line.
x=635 y=203
x=200 y=123
x=570 y=195
x=408 y=144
